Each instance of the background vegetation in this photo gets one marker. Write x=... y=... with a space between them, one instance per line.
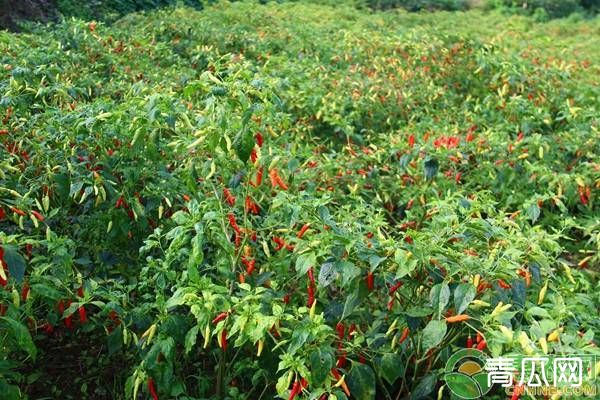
x=12 y=12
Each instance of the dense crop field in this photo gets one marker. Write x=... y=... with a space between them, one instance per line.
x=294 y=200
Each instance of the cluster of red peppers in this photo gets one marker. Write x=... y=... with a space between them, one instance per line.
x=297 y=388
x=479 y=344
x=392 y=292
x=584 y=194
x=223 y=338
x=280 y=242
x=65 y=304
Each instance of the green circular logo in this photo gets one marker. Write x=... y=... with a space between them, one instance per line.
x=465 y=374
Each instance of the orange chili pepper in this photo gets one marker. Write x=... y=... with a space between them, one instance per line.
x=458 y=318
x=404 y=335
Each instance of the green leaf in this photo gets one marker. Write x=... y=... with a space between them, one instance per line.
x=243 y=144
x=463 y=296
x=462 y=384
x=321 y=363
x=406 y=263
x=533 y=212
x=361 y=382
x=439 y=297
x=114 y=341
x=20 y=334
x=433 y=334
x=190 y=338
x=299 y=337
x=431 y=167
x=304 y=262
x=391 y=367
x=15 y=262
x=347 y=270
x=374 y=261
x=351 y=302
x=424 y=388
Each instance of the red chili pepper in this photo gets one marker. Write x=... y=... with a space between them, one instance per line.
x=584 y=194
x=250 y=265
x=48 y=328
x=370 y=281
x=286 y=298
x=152 y=389
x=295 y=390
x=18 y=211
x=220 y=318
x=311 y=275
x=114 y=317
x=251 y=206
x=259 y=139
x=224 y=339
x=233 y=223
x=336 y=374
x=229 y=198
x=259 y=176
x=457 y=177
x=2 y=213
x=478 y=338
x=37 y=215
x=24 y=291
x=119 y=202
x=395 y=287
x=311 y=295
x=482 y=345
x=404 y=335
x=28 y=249
x=69 y=319
x=340 y=328
x=411 y=140
x=390 y=304
x=303 y=383
x=469 y=342
x=82 y=314
x=279 y=241
x=302 y=231
x=253 y=156
x=341 y=361
x=361 y=358
x=483 y=286
x=503 y=284
x=276 y=180
x=352 y=329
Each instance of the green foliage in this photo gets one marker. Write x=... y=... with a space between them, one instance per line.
x=413 y=167
x=418 y=5
x=111 y=9
x=545 y=9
